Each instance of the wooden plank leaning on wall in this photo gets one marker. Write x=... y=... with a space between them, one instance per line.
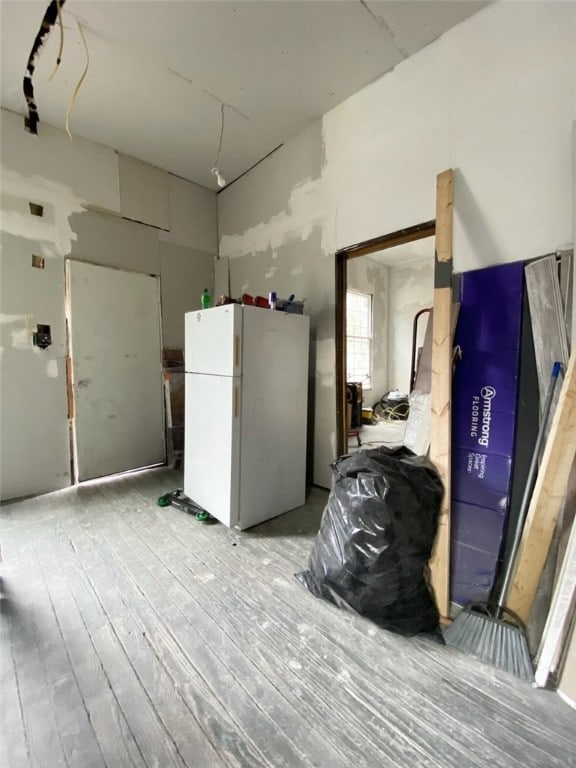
x=547 y=498
x=441 y=411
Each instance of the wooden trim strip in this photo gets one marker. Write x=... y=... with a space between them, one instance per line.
x=401 y=236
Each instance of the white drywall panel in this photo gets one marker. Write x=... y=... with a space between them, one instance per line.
x=115 y=242
x=144 y=192
x=367 y=276
x=193 y=216
x=411 y=288
x=493 y=98
x=34 y=443
x=29 y=295
x=184 y=275
x=116 y=361
x=512 y=102
x=88 y=170
x=33 y=402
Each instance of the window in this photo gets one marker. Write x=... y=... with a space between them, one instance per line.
x=359 y=338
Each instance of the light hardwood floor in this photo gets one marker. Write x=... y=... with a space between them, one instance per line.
x=136 y=636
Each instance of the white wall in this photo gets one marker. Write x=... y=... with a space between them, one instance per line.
x=494 y=98
x=411 y=289
x=86 y=190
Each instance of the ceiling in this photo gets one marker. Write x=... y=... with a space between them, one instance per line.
x=159 y=71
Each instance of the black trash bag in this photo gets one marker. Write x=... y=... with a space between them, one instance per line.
x=376 y=537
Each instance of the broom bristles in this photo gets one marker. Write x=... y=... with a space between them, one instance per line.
x=494 y=641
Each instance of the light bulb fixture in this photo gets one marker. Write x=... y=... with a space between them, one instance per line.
x=221 y=181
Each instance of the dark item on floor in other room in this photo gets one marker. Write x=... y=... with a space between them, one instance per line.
x=376 y=537
x=493 y=633
x=180 y=501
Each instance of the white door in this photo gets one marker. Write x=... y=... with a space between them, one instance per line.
x=115 y=347
x=213 y=341
x=211 y=444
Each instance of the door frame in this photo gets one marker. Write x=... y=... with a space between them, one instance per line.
x=343 y=255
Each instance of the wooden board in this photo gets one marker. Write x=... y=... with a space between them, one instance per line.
x=566 y=257
x=567 y=682
x=547 y=319
x=547 y=499
x=559 y=616
x=441 y=385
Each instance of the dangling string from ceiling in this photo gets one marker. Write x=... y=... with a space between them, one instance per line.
x=79 y=84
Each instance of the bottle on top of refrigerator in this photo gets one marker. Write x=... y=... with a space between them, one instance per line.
x=206 y=299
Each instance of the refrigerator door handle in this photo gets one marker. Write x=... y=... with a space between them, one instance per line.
x=236 y=350
x=236 y=402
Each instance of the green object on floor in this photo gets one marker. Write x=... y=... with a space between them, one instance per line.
x=180 y=501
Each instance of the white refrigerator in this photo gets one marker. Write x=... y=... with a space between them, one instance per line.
x=245 y=412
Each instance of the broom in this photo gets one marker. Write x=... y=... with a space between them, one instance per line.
x=494 y=634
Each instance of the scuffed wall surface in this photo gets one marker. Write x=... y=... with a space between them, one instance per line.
x=411 y=289
x=366 y=275
x=493 y=98
x=34 y=447
x=290 y=252
x=300 y=268
x=88 y=171
x=114 y=242
x=184 y=275
x=67 y=179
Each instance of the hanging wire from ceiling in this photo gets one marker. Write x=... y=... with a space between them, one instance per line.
x=221 y=181
x=61 y=48
x=79 y=84
x=48 y=21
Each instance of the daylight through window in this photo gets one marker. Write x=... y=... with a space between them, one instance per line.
x=359 y=338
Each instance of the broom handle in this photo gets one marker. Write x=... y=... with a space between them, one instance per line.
x=530 y=482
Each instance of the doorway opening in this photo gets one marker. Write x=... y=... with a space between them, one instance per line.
x=382 y=284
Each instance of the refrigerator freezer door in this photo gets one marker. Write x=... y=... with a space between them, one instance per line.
x=274 y=414
x=213 y=341
x=212 y=441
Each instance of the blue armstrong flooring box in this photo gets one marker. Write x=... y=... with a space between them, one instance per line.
x=485 y=396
